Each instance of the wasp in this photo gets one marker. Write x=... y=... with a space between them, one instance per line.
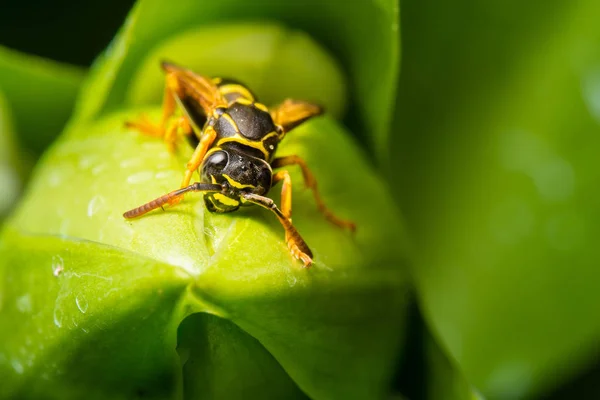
x=235 y=139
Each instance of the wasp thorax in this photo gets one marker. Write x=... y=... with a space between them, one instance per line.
x=239 y=172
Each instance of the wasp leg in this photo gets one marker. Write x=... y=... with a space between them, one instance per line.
x=311 y=182
x=168 y=198
x=143 y=125
x=182 y=125
x=297 y=246
x=181 y=86
x=206 y=141
x=195 y=87
x=292 y=113
x=286 y=192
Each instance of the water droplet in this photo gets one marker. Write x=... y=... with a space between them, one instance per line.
x=82 y=303
x=131 y=162
x=98 y=169
x=57 y=265
x=58 y=317
x=64 y=227
x=55 y=178
x=140 y=177
x=96 y=203
x=291 y=280
x=17 y=366
x=86 y=162
x=24 y=303
x=165 y=175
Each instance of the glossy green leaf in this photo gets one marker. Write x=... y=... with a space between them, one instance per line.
x=84 y=279
x=190 y=304
x=497 y=172
x=260 y=55
x=41 y=94
x=363 y=35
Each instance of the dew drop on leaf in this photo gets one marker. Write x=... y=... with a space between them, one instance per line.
x=58 y=265
x=82 y=303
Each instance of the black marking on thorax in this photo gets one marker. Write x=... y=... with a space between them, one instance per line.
x=251 y=122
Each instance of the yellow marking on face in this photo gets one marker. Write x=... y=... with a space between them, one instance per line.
x=261 y=106
x=212 y=179
x=215 y=205
x=226 y=200
x=210 y=151
x=236 y=184
x=235 y=88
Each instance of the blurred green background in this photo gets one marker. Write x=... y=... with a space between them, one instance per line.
x=494 y=162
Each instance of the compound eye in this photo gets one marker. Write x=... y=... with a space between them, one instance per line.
x=218 y=160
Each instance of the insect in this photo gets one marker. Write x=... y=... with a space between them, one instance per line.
x=235 y=139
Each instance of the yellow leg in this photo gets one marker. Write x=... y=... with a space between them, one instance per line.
x=286 y=192
x=311 y=183
x=297 y=246
x=181 y=124
x=208 y=137
x=143 y=124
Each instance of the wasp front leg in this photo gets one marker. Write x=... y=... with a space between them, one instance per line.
x=168 y=198
x=286 y=192
x=311 y=183
x=297 y=246
x=206 y=141
x=292 y=238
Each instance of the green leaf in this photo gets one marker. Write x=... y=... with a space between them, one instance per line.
x=11 y=169
x=261 y=55
x=445 y=380
x=364 y=36
x=107 y=324
x=41 y=94
x=497 y=172
x=190 y=304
